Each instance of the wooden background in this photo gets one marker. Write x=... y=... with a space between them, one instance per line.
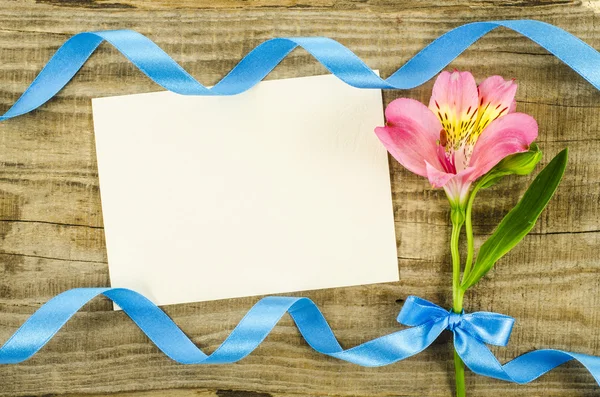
x=52 y=238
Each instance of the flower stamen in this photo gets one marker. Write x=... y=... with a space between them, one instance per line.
x=443 y=138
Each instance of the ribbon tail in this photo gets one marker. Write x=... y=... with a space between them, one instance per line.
x=381 y=351
x=477 y=357
x=250 y=332
x=393 y=347
x=339 y=60
x=523 y=369
x=532 y=365
x=42 y=325
x=59 y=70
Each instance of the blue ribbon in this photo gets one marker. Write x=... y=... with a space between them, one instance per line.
x=339 y=60
x=471 y=331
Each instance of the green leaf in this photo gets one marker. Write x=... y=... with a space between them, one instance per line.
x=515 y=164
x=520 y=220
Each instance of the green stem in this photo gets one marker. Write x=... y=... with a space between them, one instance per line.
x=459 y=374
x=457 y=223
x=458 y=219
x=469 y=232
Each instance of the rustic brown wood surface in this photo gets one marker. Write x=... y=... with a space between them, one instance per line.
x=52 y=238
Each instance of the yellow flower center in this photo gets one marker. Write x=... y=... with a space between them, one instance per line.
x=462 y=129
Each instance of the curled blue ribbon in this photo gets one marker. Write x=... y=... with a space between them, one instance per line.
x=339 y=60
x=471 y=331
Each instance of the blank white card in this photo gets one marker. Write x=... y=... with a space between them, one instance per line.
x=282 y=188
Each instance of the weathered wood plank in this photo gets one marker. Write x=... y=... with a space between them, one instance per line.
x=51 y=229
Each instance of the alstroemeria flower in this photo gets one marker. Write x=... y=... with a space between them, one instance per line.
x=465 y=131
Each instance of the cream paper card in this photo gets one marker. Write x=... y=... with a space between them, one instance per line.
x=283 y=188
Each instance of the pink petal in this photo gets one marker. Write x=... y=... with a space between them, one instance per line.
x=504 y=136
x=411 y=134
x=513 y=107
x=457 y=187
x=457 y=91
x=436 y=177
x=497 y=96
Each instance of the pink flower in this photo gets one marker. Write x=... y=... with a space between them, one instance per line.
x=465 y=131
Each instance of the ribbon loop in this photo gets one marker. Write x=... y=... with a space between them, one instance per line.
x=417 y=311
x=490 y=328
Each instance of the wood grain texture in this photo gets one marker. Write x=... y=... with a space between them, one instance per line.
x=52 y=238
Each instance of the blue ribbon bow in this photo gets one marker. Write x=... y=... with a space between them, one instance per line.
x=471 y=331
x=427 y=320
